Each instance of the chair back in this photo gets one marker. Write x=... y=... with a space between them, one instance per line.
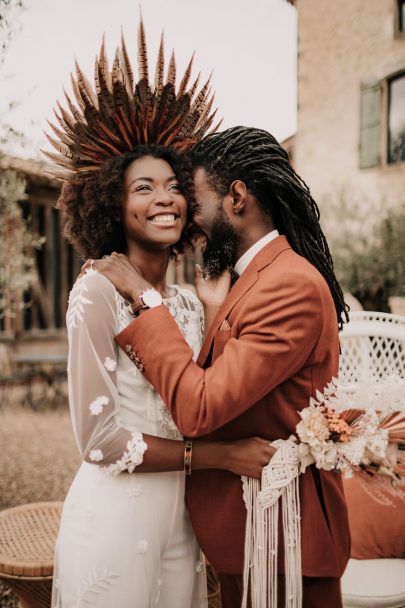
x=372 y=342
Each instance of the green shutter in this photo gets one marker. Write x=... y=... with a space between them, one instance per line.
x=370 y=119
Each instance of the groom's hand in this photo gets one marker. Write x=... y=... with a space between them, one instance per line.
x=248 y=456
x=212 y=292
x=127 y=279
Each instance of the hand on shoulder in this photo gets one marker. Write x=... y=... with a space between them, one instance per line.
x=117 y=268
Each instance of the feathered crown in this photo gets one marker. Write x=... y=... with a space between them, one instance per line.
x=122 y=113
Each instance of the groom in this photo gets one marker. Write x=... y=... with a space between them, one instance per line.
x=273 y=342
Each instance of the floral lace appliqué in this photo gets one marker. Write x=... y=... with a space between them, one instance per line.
x=136 y=447
x=188 y=314
x=110 y=364
x=96 y=455
x=186 y=310
x=94 y=584
x=124 y=316
x=77 y=301
x=96 y=407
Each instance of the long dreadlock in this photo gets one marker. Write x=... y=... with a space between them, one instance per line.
x=256 y=158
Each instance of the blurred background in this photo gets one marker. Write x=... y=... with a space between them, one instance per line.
x=326 y=78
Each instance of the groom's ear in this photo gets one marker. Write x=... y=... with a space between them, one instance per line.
x=238 y=195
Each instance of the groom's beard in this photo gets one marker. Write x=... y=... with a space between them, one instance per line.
x=221 y=250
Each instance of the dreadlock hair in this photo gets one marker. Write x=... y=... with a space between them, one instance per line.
x=256 y=158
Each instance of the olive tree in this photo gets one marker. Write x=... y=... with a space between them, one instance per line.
x=367 y=240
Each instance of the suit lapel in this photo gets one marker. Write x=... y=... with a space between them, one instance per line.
x=247 y=279
x=263 y=258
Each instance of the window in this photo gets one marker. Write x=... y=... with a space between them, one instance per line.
x=401 y=15
x=370 y=119
x=396 y=118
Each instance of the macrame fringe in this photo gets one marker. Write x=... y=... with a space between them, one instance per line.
x=279 y=483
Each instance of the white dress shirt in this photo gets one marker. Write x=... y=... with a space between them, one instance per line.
x=248 y=256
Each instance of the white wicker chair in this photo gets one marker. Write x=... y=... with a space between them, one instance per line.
x=373 y=341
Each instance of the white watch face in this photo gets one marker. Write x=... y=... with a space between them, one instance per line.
x=151 y=298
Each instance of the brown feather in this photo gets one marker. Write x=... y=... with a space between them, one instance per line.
x=115 y=114
x=160 y=66
x=103 y=65
x=60 y=147
x=186 y=78
x=193 y=89
x=126 y=64
x=75 y=112
x=85 y=88
x=142 y=54
x=77 y=92
x=127 y=72
x=171 y=73
x=201 y=97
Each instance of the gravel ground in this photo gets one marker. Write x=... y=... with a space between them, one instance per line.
x=38 y=460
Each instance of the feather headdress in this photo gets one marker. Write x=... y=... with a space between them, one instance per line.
x=120 y=113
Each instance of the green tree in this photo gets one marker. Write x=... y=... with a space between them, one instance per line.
x=368 y=246
x=9 y=9
x=17 y=262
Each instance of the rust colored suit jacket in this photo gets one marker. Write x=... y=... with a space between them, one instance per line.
x=253 y=375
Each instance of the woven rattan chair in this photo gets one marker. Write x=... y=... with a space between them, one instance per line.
x=27 y=543
x=373 y=342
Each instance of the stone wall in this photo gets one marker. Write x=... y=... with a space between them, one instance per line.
x=340 y=45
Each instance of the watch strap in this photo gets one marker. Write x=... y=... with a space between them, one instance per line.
x=137 y=306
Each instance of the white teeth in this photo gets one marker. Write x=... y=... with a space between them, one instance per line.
x=163 y=219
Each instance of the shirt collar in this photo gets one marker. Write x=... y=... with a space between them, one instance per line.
x=248 y=256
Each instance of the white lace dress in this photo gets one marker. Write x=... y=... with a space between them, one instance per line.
x=125 y=539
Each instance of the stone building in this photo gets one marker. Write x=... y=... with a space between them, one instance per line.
x=350 y=140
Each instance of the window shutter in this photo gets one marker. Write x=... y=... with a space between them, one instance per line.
x=370 y=119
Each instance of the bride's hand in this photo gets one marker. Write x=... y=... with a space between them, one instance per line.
x=212 y=292
x=249 y=456
x=117 y=268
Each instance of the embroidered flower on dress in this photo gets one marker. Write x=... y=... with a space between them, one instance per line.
x=110 y=364
x=96 y=455
x=136 y=447
x=142 y=546
x=96 y=407
x=135 y=491
x=89 y=513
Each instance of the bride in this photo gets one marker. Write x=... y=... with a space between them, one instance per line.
x=125 y=537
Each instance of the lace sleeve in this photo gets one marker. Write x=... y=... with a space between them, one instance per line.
x=191 y=321
x=93 y=394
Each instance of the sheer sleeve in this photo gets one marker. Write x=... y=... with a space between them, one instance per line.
x=93 y=395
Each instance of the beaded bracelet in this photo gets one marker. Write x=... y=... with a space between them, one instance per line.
x=188 y=452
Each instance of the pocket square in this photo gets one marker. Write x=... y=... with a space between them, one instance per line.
x=224 y=326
